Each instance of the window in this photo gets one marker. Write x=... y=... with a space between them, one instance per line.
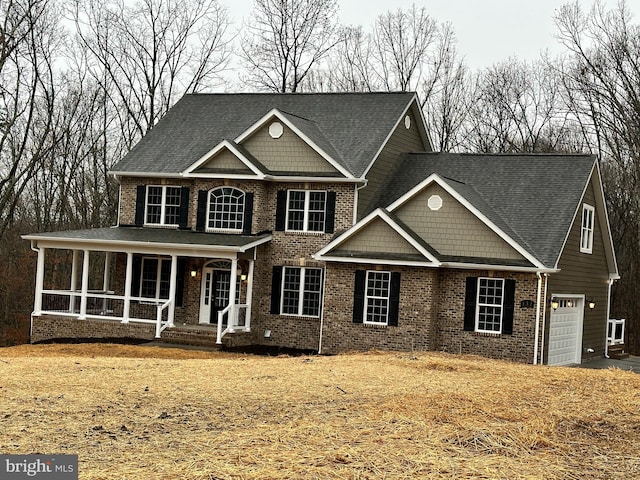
x=489 y=305
x=155 y=278
x=296 y=291
x=586 y=232
x=163 y=205
x=226 y=209
x=377 y=297
x=306 y=210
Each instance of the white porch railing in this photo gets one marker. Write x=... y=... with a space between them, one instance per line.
x=235 y=321
x=615 y=331
x=160 y=325
x=105 y=305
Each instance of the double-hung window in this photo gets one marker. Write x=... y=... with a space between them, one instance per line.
x=306 y=210
x=586 y=232
x=489 y=305
x=298 y=291
x=377 y=297
x=163 y=205
x=155 y=278
x=226 y=209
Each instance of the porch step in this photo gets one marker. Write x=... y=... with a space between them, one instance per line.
x=200 y=335
x=617 y=352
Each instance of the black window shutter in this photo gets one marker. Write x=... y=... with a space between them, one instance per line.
x=141 y=197
x=201 y=212
x=180 y=283
x=508 y=306
x=248 y=213
x=276 y=285
x=329 y=224
x=135 y=278
x=281 y=210
x=358 y=296
x=394 y=299
x=470 y=304
x=184 y=207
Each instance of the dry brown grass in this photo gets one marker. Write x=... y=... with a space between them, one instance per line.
x=152 y=413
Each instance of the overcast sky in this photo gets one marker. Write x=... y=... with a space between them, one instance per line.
x=488 y=31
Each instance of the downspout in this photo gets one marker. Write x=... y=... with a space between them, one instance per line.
x=606 y=331
x=37 y=250
x=544 y=318
x=324 y=284
x=356 y=199
x=537 y=334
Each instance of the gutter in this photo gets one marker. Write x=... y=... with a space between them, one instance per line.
x=324 y=285
x=537 y=333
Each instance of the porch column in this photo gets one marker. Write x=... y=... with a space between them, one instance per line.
x=172 y=290
x=247 y=323
x=232 y=321
x=74 y=281
x=106 y=279
x=85 y=285
x=127 y=288
x=37 y=303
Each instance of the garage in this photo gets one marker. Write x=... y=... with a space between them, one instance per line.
x=565 y=331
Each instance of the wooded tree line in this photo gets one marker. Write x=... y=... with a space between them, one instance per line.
x=82 y=82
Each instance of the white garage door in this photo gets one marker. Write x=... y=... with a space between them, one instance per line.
x=565 y=332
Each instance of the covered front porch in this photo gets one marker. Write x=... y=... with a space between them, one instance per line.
x=130 y=275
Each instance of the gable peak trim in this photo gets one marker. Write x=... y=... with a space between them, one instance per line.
x=224 y=145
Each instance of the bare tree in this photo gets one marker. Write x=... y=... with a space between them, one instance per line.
x=403 y=47
x=603 y=84
x=147 y=54
x=285 y=40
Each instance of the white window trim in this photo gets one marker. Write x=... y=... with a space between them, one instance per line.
x=224 y=230
x=587 y=230
x=365 y=315
x=305 y=221
x=300 y=292
x=478 y=305
x=163 y=205
x=158 y=277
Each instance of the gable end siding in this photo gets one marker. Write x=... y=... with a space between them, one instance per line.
x=402 y=140
x=585 y=274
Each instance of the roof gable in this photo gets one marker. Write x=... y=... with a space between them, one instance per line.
x=331 y=122
x=229 y=160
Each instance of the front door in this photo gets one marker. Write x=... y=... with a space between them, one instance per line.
x=214 y=294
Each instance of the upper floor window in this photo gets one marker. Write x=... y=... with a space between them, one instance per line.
x=306 y=211
x=226 y=209
x=586 y=232
x=162 y=205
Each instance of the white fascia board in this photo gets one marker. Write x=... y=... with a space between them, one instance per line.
x=435 y=178
x=603 y=207
x=374 y=261
x=277 y=114
x=225 y=144
x=413 y=101
x=503 y=268
x=186 y=250
x=381 y=214
x=289 y=178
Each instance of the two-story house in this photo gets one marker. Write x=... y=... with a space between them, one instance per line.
x=324 y=222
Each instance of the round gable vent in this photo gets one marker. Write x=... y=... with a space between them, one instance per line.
x=276 y=130
x=407 y=122
x=435 y=202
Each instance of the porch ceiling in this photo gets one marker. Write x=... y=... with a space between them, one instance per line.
x=148 y=240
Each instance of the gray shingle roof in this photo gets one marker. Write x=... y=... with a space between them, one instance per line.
x=198 y=122
x=532 y=198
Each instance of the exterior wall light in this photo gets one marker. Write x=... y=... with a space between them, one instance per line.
x=554 y=303
x=592 y=303
x=194 y=273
